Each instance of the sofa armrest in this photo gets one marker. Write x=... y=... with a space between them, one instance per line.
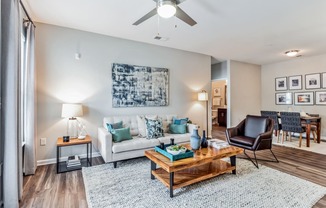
x=191 y=127
x=105 y=144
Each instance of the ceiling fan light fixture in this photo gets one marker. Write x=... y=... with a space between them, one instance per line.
x=292 y=53
x=166 y=9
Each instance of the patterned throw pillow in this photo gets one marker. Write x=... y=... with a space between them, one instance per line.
x=154 y=128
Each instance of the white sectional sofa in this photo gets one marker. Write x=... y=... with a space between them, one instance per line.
x=117 y=151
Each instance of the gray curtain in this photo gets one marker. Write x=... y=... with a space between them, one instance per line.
x=10 y=41
x=28 y=102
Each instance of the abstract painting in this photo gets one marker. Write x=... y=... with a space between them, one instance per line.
x=139 y=86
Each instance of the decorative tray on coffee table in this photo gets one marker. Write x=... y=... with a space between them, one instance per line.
x=187 y=154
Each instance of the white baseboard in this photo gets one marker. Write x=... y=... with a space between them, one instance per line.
x=54 y=160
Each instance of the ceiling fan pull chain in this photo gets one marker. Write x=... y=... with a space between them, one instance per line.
x=158 y=25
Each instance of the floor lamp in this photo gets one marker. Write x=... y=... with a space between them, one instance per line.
x=203 y=96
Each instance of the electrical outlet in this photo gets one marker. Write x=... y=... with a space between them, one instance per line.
x=43 y=141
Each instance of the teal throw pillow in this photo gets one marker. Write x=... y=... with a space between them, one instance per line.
x=121 y=134
x=113 y=126
x=179 y=121
x=154 y=128
x=178 y=129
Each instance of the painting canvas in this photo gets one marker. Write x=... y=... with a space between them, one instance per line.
x=139 y=86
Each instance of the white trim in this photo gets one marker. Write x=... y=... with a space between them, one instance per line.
x=54 y=160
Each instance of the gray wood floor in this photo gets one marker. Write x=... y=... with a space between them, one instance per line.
x=48 y=189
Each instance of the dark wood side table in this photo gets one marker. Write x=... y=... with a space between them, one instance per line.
x=222 y=116
x=61 y=166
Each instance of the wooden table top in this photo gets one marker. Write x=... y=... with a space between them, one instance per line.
x=74 y=141
x=202 y=156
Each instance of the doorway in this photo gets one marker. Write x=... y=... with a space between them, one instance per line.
x=219 y=103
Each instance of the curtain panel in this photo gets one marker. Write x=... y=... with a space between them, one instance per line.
x=10 y=65
x=28 y=101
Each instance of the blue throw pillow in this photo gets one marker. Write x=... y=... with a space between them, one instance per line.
x=179 y=121
x=113 y=126
x=122 y=134
x=178 y=129
x=154 y=128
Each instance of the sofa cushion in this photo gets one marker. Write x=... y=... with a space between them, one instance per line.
x=178 y=129
x=121 y=134
x=167 y=120
x=178 y=138
x=247 y=141
x=127 y=121
x=154 y=128
x=112 y=126
x=134 y=144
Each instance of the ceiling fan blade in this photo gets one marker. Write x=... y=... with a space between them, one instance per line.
x=146 y=17
x=184 y=17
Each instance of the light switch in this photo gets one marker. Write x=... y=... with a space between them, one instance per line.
x=43 y=141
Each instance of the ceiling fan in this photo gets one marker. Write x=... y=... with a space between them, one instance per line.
x=167 y=9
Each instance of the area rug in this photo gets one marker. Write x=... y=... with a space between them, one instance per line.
x=130 y=185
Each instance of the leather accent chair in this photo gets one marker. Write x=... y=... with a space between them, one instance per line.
x=254 y=133
x=277 y=126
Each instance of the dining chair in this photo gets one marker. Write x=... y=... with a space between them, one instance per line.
x=277 y=125
x=291 y=123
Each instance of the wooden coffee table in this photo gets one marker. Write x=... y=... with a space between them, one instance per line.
x=205 y=164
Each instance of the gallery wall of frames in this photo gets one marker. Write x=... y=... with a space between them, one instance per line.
x=309 y=89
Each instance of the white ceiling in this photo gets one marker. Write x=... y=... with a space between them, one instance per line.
x=253 y=31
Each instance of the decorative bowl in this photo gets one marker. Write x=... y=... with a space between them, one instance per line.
x=176 y=149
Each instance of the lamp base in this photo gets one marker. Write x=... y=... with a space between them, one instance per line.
x=81 y=137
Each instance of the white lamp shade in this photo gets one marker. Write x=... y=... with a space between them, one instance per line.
x=203 y=96
x=72 y=110
x=166 y=9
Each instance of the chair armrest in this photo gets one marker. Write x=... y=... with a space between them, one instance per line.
x=234 y=131
x=105 y=144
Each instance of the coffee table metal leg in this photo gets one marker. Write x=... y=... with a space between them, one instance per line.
x=153 y=167
x=171 y=184
x=233 y=163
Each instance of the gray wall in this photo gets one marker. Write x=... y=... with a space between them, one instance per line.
x=295 y=66
x=63 y=79
x=219 y=70
x=244 y=88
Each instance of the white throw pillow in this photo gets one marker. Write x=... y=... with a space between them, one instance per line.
x=142 y=124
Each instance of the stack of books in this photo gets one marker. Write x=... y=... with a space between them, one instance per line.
x=73 y=162
x=217 y=143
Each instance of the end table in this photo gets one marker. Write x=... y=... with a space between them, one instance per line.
x=61 y=166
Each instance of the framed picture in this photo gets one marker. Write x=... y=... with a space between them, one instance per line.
x=280 y=84
x=217 y=91
x=303 y=98
x=283 y=98
x=312 y=81
x=139 y=86
x=324 y=79
x=295 y=82
x=320 y=98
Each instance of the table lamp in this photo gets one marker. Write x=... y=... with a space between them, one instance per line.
x=71 y=111
x=203 y=96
